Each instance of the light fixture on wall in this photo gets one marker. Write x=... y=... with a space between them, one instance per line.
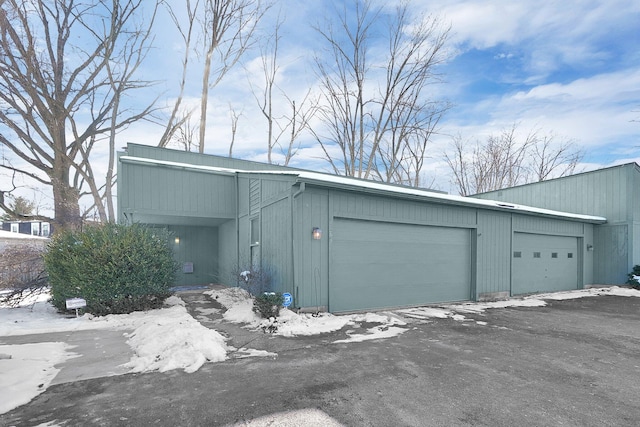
x=316 y=233
x=176 y=240
x=589 y=247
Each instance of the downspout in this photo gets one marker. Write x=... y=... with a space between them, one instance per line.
x=237 y=191
x=293 y=242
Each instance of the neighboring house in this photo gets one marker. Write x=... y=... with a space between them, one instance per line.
x=13 y=239
x=33 y=228
x=344 y=244
x=613 y=193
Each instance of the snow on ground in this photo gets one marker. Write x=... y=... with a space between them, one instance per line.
x=239 y=307
x=170 y=338
x=26 y=370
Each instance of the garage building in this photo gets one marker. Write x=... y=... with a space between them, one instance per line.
x=343 y=244
x=613 y=193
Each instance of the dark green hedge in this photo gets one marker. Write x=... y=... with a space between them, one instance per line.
x=116 y=268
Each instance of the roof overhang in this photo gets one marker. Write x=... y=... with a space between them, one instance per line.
x=375 y=187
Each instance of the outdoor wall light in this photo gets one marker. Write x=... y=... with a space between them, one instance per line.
x=176 y=240
x=589 y=247
x=316 y=233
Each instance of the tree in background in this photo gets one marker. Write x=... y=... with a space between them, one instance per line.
x=64 y=68
x=280 y=126
x=220 y=31
x=377 y=116
x=505 y=160
x=19 y=209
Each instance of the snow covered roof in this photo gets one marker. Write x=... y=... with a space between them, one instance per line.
x=374 y=186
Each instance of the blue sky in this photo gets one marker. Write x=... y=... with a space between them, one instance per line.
x=567 y=67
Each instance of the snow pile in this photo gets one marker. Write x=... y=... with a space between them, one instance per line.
x=591 y=292
x=173 y=339
x=26 y=370
x=452 y=310
x=238 y=303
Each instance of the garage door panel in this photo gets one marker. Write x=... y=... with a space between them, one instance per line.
x=376 y=265
x=544 y=263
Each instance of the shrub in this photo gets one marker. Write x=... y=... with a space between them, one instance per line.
x=634 y=276
x=116 y=268
x=268 y=304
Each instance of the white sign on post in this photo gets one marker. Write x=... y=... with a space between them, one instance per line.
x=75 y=303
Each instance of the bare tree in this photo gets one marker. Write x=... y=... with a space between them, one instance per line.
x=552 y=160
x=506 y=160
x=58 y=60
x=186 y=30
x=235 y=116
x=227 y=28
x=375 y=107
x=279 y=126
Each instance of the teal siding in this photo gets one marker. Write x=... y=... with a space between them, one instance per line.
x=198 y=245
x=611 y=249
x=311 y=257
x=534 y=224
x=276 y=246
x=227 y=252
x=153 y=190
x=493 y=254
x=363 y=206
x=613 y=193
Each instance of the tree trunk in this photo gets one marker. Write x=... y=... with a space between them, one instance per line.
x=66 y=199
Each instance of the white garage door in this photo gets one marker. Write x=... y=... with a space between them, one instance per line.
x=544 y=263
x=378 y=265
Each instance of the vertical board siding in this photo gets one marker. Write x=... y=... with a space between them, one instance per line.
x=254 y=196
x=376 y=207
x=273 y=188
x=534 y=224
x=605 y=192
x=227 y=253
x=152 y=189
x=276 y=245
x=198 y=245
x=311 y=256
x=610 y=252
x=493 y=253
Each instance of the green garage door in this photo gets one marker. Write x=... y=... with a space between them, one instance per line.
x=380 y=265
x=544 y=263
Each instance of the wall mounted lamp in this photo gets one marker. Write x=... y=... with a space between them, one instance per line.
x=589 y=247
x=316 y=233
x=176 y=240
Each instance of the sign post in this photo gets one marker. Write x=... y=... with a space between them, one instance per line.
x=75 y=303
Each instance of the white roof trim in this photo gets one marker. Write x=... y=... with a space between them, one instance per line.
x=374 y=185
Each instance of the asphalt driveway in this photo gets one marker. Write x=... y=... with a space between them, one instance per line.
x=572 y=363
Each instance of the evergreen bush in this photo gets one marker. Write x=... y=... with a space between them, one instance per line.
x=633 y=277
x=268 y=304
x=116 y=268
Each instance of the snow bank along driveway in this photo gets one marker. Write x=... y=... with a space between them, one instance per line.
x=170 y=338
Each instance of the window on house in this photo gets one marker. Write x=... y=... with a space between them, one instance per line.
x=554 y=254
x=45 y=230
x=536 y=254
x=255 y=231
x=517 y=254
x=570 y=255
x=14 y=228
x=35 y=228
